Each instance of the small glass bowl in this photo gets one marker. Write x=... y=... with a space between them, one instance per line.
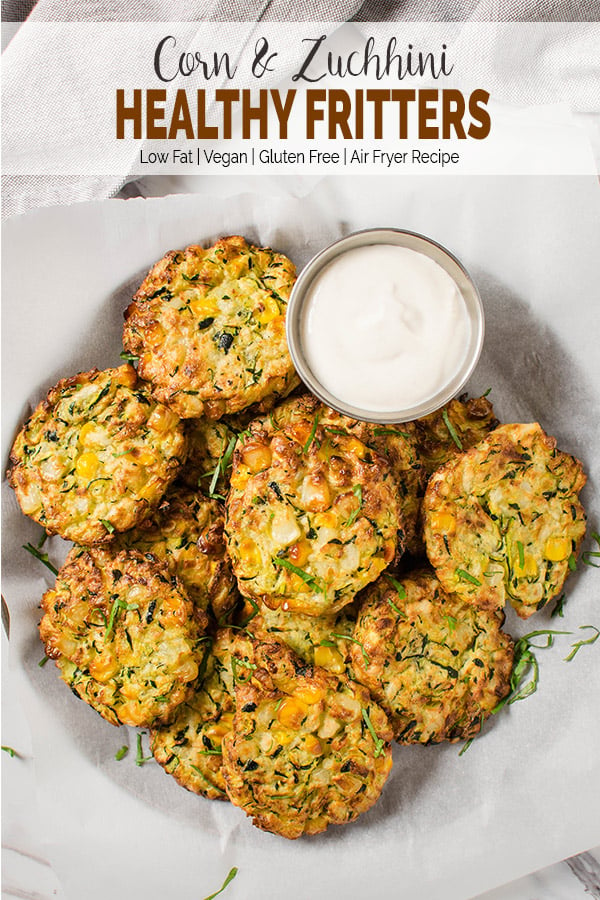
x=399 y=238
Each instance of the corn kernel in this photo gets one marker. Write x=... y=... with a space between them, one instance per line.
x=282 y=737
x=312 y=745
x=291 y=712
x=87 y=465
x=204 y=306
x=326 y=520
x=298 y=553
x=103 y=668
x=256 y=456
x=443 y=523
x=557 y=549
x=175 y=606
x=144 y=457
x=240 y=478
x=329 y=658
x=529 y=567
x=162 y=419
x=309 y=694
x=217 y=731
x=356 y=447
x=86 y=433
x=249 y=553
x=270 y=311
x=127 y=375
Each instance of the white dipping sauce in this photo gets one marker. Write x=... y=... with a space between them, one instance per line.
x=384 y=328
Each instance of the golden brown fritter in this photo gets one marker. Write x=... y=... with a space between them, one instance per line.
x=124 y=635
x=311 y=517
x=504 y=522
x=393 y=442
x=95 y=456
x=189 y=748
x=319 y=640
x=308 y=748
x=208 y=327
x=437 y=665
x=186 y=532
x=448 y=431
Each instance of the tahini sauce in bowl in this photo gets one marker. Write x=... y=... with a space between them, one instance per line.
x=385 y=325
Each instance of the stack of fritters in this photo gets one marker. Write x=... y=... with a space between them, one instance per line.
x=251 y=584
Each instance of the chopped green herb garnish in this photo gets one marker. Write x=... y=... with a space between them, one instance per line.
x=489 y=390
x=232 y=873
x=466 y=746
x=392 y=431
x=588 y=555
x=308 y=579
x=379 y=744
x=336 y=431
x=525 y=663
x=357 y=491
x=559 y=609
x=223 y=463
x=120 y=754
x=128 y=357
x=395 y=608
x=235 y=663
x=313 y=431
x=11 y=752
x=43 y=557
x=108 y=525
x=44 y=537
x=117 y=605
x=466 y=576
x=577 y=646
x=397 y=586
x=451 y=429
x=208 y=753
x=43 y=661
x=140 y=759
x=347 y=637
x=572 y=563
x=452 y=622
x=521 y=553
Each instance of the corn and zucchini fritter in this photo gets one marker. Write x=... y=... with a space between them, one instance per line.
x=504 y=522
x=124 y=635
x=311 y=519
x=96 y=455
x=186 y=532
x=308 y=748
x=208 y=327
x=189 y=748
x=436 y=665
x=393 y=442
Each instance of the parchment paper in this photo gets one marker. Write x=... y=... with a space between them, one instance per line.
x=527 y=792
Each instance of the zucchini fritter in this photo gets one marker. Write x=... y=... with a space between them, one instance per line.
x=308 y=748
x=124 y=635
x=95 y=456
x=189 y=748
x=437 y=665
x=394 y=443
x=208 y=327
x=470 y=418
x=311 y=517
x=186 y=532
x=504 y=522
